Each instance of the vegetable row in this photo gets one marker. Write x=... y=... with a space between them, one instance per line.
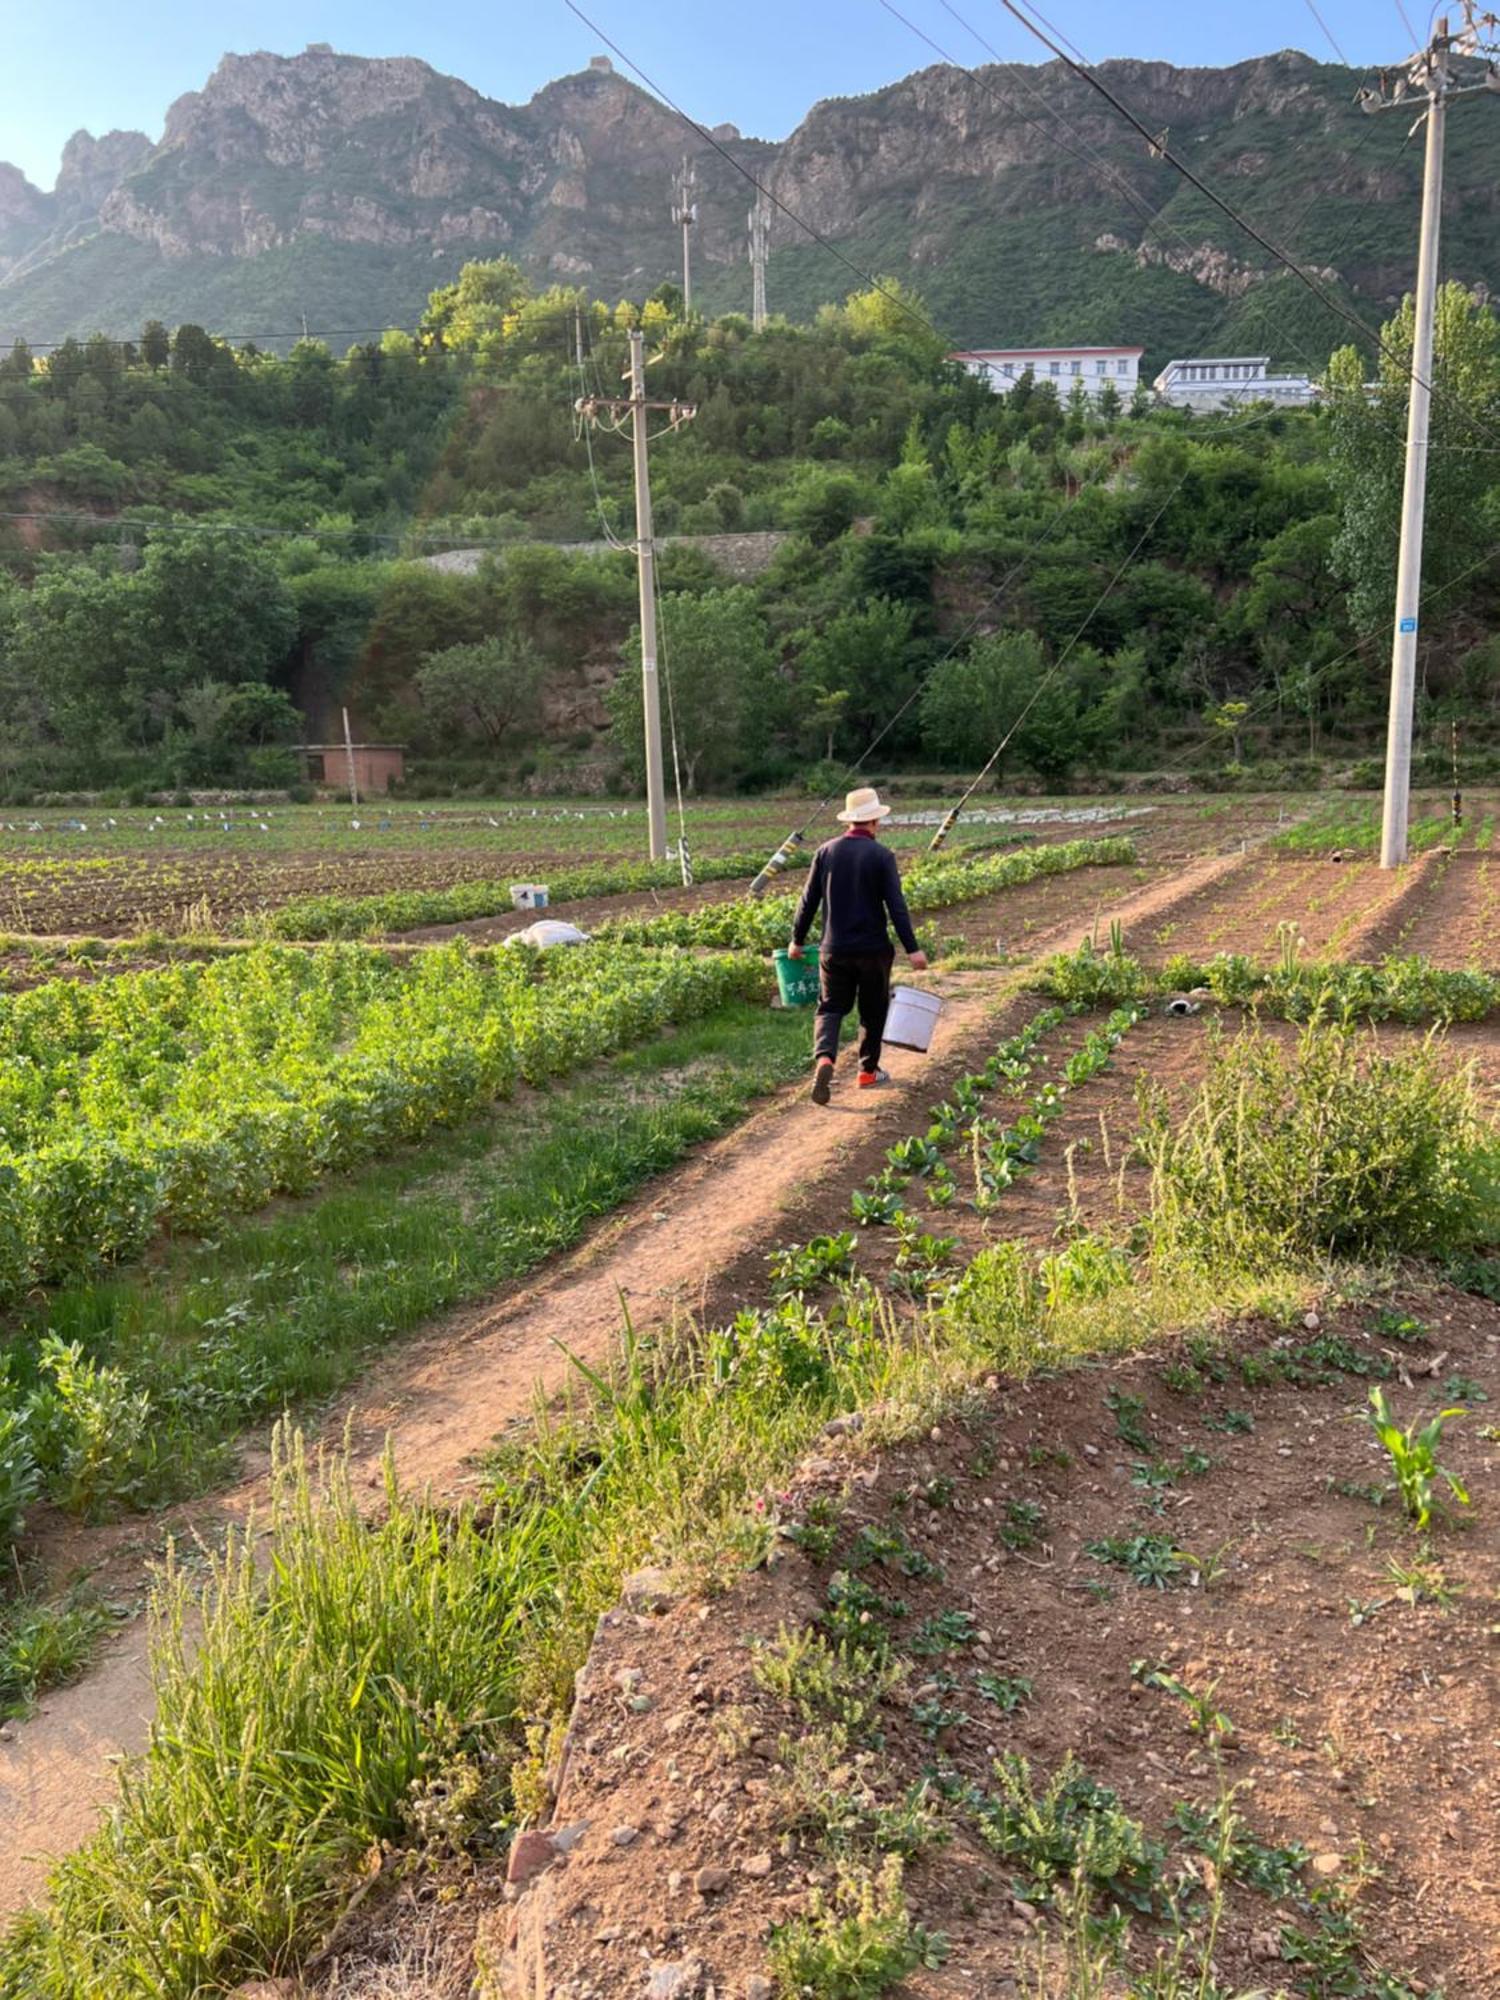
x=336 y=916
x=180 y=1096
x=760 y=925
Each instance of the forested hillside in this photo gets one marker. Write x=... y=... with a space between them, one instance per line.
x=207 y=550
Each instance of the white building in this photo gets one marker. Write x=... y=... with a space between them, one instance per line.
x=1061 y=366
x=1219 y=382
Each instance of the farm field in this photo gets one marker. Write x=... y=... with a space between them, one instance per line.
x=1019 y=1558
x=201 y=869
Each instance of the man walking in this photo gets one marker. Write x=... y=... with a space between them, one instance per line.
x=858 y=884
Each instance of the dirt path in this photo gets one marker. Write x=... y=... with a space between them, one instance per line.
x=444 y=1395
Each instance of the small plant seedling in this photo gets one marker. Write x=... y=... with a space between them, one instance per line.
x=880 y=1210
x=1400 y=1326
x=1414 y=1459
x=1204 y=1719
x=1422 y=1582
x=1008 y=1692
x=944 y=1632
x=1128 y=1412
x=1235 y=1422
x=1022 y=1524
x=933 y=1718
x=889 y=1547
x=801 y=1266
x=915 y=1156
x=1152 y=1561
x=816 y=1533
x=1465 y=1388
x=856 y=1613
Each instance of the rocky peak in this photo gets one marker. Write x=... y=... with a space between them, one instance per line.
x=297 y=104
x=21 y=204
x=93 y=168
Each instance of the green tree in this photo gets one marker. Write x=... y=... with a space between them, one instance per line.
x=869 y=655
x=477 y=303
x=715 y=648
x=1004 y=688
x=156 y=345
x=207 y=607
x=1368 y=455
x=483 y=689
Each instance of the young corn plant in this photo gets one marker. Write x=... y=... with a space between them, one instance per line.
x=1414 y=1460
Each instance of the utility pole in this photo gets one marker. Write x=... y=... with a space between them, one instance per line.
x=349 y=756
x=760 y=233
x=685 y=214
x=615 y=413
x=1430 y=75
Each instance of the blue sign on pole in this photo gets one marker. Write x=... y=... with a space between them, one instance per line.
x=1408 y=625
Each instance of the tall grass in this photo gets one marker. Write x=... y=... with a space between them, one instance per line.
x=331 y=1696
x=1336 y=1147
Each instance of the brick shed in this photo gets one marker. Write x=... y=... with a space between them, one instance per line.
x=377 y=766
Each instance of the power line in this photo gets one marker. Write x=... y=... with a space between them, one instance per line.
x=903 y=305
x=951 y=818
x=1160 y=150
x=1312 y=9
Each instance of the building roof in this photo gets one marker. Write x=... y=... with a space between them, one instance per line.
x=1032 y=353
x=1218 y=361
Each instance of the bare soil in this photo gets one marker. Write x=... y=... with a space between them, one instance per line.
x=1365 y=1724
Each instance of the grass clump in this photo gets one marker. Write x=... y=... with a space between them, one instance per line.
x=855 y=1941
x=328 y=1700
x=1333 y=1148
x=45 y=1644
x=1071 y=1831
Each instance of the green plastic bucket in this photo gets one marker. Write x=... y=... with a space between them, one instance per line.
x=797 y=979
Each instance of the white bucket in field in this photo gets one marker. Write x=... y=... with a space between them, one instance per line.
x=529 y=895
x=912 y=1018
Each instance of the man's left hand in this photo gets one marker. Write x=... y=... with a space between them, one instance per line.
x=794 y=951
x=918 y=961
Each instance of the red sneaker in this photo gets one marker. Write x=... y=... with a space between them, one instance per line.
x=869 y=1079
x=822 y=1080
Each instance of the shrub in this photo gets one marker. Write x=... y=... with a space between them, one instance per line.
x=1332 y=1147
x=20 y=1481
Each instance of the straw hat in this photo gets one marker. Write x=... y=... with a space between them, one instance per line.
x=861 y=806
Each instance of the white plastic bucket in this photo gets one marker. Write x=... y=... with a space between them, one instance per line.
x=912 y=1018
x=529 y=895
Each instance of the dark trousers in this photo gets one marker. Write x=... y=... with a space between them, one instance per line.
x=847 y=979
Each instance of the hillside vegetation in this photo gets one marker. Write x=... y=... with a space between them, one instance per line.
x=207 y=550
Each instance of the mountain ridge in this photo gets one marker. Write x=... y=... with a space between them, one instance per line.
x=344 y=188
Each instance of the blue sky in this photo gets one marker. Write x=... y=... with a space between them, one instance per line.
x=759 y=63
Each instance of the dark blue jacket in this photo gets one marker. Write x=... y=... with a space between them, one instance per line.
x=858 y=883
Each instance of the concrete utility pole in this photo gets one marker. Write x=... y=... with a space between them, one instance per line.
x=614 y=413
x=760 y=233
x=349 y=756
x=1430 y=75
x=685 y=214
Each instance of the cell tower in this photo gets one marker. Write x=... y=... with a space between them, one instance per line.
x=685 y=214
x=760 y=235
